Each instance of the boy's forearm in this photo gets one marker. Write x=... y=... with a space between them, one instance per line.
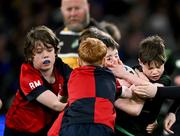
x=134 y=79
x=129 y=106
x=50 y=100
x=58 y=106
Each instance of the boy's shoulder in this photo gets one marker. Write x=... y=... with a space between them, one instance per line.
x=165 y=80
x=28 y=68
x=94 y=69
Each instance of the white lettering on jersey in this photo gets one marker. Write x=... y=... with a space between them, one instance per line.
x=34 y=84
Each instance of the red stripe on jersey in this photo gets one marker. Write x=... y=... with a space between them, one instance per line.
x=55 y=128
x=102 y=114
x=78 y=88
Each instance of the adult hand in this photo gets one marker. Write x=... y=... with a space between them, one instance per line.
x=169 y=121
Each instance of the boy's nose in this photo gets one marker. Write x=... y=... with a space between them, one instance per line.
x=155 y=71
x=45 y=54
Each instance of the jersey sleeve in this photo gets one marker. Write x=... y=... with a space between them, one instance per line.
x=171 y=92
x=31 y=83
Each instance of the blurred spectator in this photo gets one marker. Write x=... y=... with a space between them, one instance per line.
x=159 y=23
x=6 y=70
x=76 y=17
x=111 y=29
x=132 y=33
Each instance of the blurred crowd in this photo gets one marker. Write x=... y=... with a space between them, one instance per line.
x=135 y=19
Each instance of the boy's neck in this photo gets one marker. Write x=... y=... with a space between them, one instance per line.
x=90 y=64
x=48 y=75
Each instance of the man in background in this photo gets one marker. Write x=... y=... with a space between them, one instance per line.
x=76 y=17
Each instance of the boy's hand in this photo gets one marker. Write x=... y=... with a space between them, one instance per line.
x=168 y=122
x=147 y=90
x=151 y=127
x=118 y=69
x=123 y=82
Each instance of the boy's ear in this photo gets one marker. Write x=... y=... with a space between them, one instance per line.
x=103 y=62
x=79 y=61
x=140 y=62
x=30 y=60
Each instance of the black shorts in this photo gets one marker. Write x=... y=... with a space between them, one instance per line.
x=86 y=130
x=12 y=132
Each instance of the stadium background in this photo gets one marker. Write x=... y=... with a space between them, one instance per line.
x=135 y=19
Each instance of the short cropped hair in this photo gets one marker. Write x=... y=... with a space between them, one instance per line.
x=92 y=51
x=39 y=33
x=151 y=49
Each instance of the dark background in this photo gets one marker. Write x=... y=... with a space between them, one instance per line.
x=135 y=19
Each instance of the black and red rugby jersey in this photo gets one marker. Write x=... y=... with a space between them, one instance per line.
x=25 y=113
x=91 y=94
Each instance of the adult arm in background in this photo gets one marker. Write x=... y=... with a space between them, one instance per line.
x=151 y=91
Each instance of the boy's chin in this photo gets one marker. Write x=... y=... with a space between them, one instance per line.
x=155 y=79
x=46 y=68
